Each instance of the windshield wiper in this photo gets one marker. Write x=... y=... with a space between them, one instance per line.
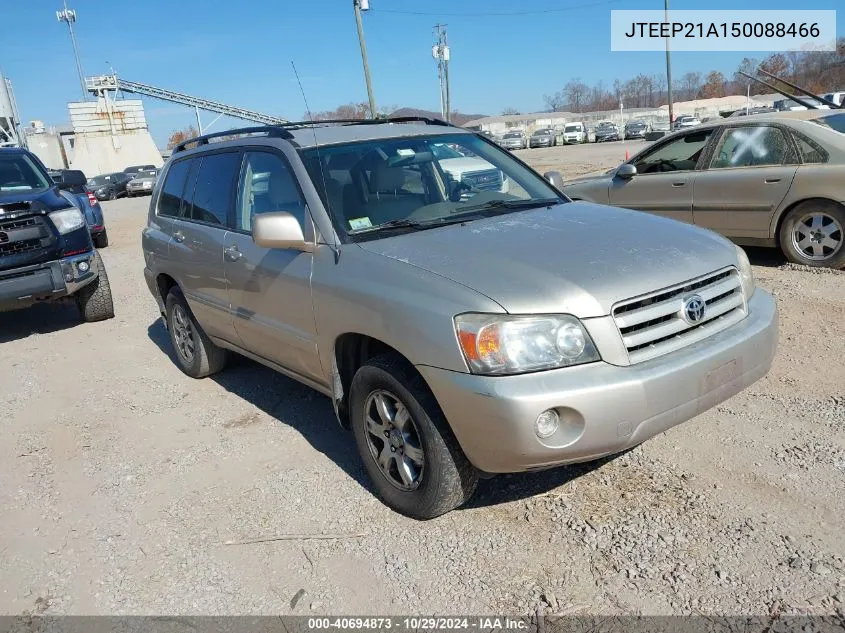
x=401 y=223
x=510 y=204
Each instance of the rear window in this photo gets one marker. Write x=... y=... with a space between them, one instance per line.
x=215 y=184
x=171 y=193
x=834 y=122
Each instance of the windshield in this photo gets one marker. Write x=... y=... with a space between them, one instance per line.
x=152 y=173
x=636 y=124
x=370 y=184
x=572 y=128
x=542 y=133
x=99 y=181
x=834 y=122
x=513 y=135
x=19 y=173
x=604 y=125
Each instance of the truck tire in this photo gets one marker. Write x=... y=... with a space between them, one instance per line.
x=102 y=239
x=94 y=301
x=813 y=234
x=411 y=455
x=196 y=355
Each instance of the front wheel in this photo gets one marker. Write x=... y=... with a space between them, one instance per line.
x=813 y=233
x=94 y=301
x=408 y=449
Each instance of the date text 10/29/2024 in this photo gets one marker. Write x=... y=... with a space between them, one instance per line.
x=417 y=623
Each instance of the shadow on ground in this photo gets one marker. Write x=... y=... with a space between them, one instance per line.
x=769 y=257
x=43 y=318
x=311 y=414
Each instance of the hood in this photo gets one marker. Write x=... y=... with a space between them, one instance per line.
x=577 y=258
x=27 y=202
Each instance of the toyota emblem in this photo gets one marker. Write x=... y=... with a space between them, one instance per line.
x=693 y=311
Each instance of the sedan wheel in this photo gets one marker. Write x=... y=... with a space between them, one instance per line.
x=813 y=233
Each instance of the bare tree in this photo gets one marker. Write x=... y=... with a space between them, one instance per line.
x=576 y=94
x=714 y=85
x=180 y=136
x=691 y=83
x=555 y=102
x=510 y=110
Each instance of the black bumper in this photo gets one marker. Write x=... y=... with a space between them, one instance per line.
x=21 y=287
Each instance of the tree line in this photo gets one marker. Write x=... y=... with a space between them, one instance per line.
x=817 y=71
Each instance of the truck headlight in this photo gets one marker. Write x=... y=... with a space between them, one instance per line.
x=503 y=344
x=746 y=275
x=67 y=220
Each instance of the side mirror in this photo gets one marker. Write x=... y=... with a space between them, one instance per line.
x=278 y=230
x=626 y=171
x=554 y=178
x=68 y=178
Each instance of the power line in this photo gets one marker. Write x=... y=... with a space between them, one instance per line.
x=479 y=14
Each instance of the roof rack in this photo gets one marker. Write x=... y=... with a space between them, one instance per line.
x=281 y=130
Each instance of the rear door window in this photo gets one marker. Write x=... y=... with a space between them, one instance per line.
x=170 y=202
x=214 y=188
x=753 y=146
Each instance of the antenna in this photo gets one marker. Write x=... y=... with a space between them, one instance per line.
x=335 y=247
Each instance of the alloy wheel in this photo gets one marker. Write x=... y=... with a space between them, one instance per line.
x=183 y=333
x=394 y=440
x=817 y=236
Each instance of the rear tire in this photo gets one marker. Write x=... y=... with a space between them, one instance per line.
x=102 y=239
x=437 y=475
x=94 y=301
x=813 y=234
x=196 y=355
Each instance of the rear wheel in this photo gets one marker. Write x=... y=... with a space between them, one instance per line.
x=101 y=240
x=197 y=356
x=408 y=449
x=813 y=233
x=94 y=301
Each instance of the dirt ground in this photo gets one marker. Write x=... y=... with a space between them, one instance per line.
x=124 y=483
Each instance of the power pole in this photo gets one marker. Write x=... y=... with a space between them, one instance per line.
x=440 y=52
x=668 y=70
x=364 y=5
x=69 y=16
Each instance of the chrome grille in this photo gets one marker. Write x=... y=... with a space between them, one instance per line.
x=489 y=179
x=653 y=325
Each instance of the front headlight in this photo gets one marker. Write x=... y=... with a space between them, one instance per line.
x=67 y=220
x=746 y=275
x=502 y=344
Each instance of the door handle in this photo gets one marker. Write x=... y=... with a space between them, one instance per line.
x=232 y=253
x=682 y=183
x=770 y=181
x=178 y=236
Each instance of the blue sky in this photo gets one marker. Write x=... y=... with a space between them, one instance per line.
x=240 y=52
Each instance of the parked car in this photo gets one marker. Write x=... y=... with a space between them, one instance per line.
x=748 y=112
x=142 y=183
x=683 y=122
x=134 y=169
x=836 y=97
x=46 y=253
x=467 y=171
x=575 y=133
x=109 y=186
x=514 y=140
x=454 y=335
x=543 y=138
x=606 y=131
x=765 y=180
x=636 y=129
x=74 y=189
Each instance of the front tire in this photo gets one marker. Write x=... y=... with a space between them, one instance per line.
x=112 y=195
x=94 y=301
x=408 y=449
x=813 y=234
x=196 y=355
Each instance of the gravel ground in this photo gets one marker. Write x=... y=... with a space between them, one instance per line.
x=122 y=481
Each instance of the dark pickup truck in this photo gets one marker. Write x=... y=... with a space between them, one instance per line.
x=46 y=253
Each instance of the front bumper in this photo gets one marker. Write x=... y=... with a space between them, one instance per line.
x=603 y=408
x=21 y=287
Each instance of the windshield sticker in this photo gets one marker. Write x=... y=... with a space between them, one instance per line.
x=360 y=223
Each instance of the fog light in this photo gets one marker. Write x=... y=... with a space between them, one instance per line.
x=546 y=424
x=83 y=267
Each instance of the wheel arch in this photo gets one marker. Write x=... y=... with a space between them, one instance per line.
x=164 y=283
x=351 y=351
x=779 y=219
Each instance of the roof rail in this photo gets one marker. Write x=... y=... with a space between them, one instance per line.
x=269 y=130
x=280 y=130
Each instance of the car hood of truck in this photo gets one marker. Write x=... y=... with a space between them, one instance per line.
x=18 y=203
x=577 y=258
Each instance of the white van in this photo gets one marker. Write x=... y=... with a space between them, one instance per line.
x=575 y=133
x=836 y=97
